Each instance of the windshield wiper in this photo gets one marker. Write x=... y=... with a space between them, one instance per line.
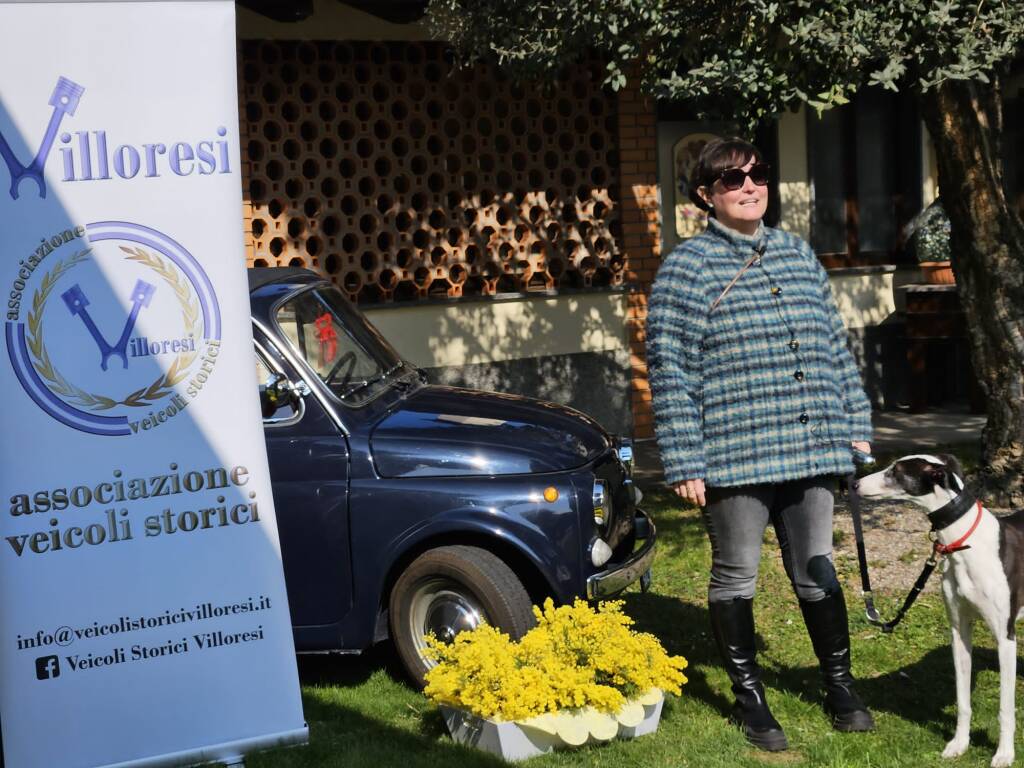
x=359 y=386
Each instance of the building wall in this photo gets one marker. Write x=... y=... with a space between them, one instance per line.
x=795 y=192
x=641 y=237
x=371 y=159
x=401 y=177
x=571 y=349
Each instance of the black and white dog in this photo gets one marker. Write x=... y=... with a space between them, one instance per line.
x=983 y=577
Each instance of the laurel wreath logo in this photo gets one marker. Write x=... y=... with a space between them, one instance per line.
x=162 y=386
x=41 y=358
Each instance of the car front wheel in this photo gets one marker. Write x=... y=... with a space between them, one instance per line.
x=450 y=589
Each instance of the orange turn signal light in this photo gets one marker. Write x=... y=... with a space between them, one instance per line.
x=550 y=494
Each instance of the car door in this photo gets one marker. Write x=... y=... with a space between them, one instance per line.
x=309 y=470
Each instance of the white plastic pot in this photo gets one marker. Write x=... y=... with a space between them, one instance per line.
x=522 y=739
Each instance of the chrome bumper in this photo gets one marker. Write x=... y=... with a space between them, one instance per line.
x=614 y=580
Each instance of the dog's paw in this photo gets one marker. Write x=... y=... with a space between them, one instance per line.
x=1002 y=759
x=955 y=748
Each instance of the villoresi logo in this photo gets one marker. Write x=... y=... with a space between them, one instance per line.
x=113 y=328
x=86 y=155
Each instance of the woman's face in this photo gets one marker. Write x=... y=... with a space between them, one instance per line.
x=740 y=209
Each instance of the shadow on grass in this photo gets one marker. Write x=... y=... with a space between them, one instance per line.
x=350 y=669
x=919 y=693
x=343 y=736
x=340 y=736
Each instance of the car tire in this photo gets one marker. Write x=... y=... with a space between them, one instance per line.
x=448 y=589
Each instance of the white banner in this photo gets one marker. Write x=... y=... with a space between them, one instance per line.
x=144 y=619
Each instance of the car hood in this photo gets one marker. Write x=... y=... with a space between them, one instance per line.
x=445 y=431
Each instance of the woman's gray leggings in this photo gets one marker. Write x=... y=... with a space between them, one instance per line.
x=801 y=513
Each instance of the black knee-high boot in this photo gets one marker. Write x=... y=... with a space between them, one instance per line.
x=827 y=624
x=733 y=624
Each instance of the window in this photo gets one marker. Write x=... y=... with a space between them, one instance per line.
x=345 y=352
x=865 y=165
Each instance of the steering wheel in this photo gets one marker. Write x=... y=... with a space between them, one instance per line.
x=346 y=361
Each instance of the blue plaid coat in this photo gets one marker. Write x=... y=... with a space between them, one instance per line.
x=763 y=388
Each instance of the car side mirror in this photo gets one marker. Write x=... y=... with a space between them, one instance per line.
x=280 y=391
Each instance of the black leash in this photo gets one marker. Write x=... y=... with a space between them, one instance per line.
x=870 y=612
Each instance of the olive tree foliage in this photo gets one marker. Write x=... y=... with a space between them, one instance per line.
x=744 y=59
x=748 y=60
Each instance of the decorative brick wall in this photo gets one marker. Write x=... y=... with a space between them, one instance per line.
x=641 y=236
x=399 y=178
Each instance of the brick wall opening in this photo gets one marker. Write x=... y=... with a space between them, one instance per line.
x=401 y=177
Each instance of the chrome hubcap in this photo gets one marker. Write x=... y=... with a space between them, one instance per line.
x=444 y=608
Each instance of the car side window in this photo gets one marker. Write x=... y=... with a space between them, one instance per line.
x=316 y=333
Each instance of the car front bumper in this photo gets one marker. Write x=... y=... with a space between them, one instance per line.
x=614 y=580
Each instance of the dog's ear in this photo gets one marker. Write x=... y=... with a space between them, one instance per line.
x=951 y=463
x=948 y=475
x=935 y=474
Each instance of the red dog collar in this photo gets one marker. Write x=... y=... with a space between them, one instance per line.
x=956 y=546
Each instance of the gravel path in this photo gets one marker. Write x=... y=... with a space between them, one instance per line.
x=897 y=544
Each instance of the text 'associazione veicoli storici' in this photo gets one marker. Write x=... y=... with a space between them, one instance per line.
x=116 y=525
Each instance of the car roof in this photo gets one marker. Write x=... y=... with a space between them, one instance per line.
x=261 y=276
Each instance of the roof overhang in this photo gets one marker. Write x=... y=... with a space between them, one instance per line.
x=394 y=11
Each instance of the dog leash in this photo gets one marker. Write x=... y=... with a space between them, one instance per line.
x=862 y=459
x=870 y=612
x=938 y=550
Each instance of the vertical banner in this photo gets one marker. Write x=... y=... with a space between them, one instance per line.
x=143 y=616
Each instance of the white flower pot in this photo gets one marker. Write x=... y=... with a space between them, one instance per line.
x=521 y=739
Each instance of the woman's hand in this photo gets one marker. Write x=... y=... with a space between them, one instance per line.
x=691 y=490
x=861 y=445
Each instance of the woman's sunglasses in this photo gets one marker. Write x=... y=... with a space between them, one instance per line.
x=734 y=178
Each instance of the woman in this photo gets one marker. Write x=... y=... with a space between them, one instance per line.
x=757 y=404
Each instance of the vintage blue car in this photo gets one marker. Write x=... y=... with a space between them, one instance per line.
x=405 y=508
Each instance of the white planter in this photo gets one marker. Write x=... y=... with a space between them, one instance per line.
x=521 y=739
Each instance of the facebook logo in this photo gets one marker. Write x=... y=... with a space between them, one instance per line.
x=47 y=667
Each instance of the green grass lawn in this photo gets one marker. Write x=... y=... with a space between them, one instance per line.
x=361 y=712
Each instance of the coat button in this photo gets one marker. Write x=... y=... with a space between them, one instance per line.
x=799 y=375
x=794 y=345
x=776 y=290
x=804 y=418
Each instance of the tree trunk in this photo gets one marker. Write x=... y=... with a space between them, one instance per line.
x=965 y=122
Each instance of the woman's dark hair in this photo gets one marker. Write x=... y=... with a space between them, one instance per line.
x=715 y=157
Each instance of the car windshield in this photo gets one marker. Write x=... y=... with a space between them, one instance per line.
x=338 y=343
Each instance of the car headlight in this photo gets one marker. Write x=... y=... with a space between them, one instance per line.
x=602 y=503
